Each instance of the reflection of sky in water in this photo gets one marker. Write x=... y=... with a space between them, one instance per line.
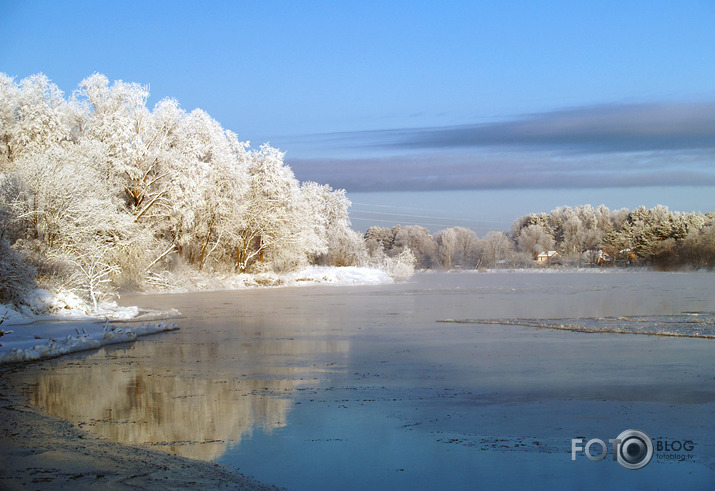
x=366 y=447
x=348 y=387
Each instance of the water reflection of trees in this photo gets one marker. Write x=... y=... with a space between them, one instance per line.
x=194 y=401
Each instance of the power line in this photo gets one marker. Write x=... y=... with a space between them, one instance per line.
x=397 y=206
x=426 y=216
x=413 y=222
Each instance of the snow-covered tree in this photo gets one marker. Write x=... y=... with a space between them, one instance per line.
x=271 y=223
x=698 y=248
x=378 y=240
x=36 y=115
x=533 y=239
x=327 y=235
x=446 y=247
x=9 y=95
x=418 y=240
x=457 y=247
x=496 y=247
x=99 y=190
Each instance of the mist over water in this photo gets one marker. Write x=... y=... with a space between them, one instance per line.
x=362 y=387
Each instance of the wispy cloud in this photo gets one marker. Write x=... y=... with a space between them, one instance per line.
x=605 y=128
x=434 y=172
x=599 y=146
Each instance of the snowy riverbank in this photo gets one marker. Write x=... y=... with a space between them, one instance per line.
x=169 y=282
x=32 y=342
x=49 y=325
x=54 y=324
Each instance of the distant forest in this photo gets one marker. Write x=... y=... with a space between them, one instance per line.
x=98 y=192
x=580 y=236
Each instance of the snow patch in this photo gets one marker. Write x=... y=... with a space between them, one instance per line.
x=55 y=324
x=350 y=275
x=313 y=275
x=42 y=341
x=43 y=305
x=63 y=304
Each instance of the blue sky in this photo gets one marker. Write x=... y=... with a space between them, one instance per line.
x=468 y=113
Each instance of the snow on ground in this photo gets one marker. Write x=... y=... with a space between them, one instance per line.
x=338 y=276
x=50 y=339
x=43 y=305
x=51 y=325
x=314 y=275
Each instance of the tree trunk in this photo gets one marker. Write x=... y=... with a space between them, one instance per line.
x=206 y=243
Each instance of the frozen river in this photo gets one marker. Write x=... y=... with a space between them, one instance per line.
x=363 y=388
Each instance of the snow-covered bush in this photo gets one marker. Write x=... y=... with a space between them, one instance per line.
x=346 y=248
x=399 y=267
x=16 y=277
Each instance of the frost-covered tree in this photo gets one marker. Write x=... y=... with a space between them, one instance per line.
x=327 y=235
x=272 y=222
x=496 y=247
x=201 y=209
x=446 y=247
x=655 y=236
x=379 y=239
x=35 y=116
x=346 y=247
x=533 y=239
x=457 y=247
x=572 y=236
x=698 y=248
x=543 y=220
x=12 y=204
x=418 y=240
x=9 y=95
x=99 y=191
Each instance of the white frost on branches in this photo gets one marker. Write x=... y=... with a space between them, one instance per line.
x=99 y=191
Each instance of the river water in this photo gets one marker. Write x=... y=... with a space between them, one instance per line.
x=363 y=387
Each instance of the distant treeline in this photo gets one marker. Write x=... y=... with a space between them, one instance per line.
x=581 y=236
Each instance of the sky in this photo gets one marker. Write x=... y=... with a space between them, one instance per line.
x=433 y=113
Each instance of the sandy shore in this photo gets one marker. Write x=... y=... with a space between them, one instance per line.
x=38 y=451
